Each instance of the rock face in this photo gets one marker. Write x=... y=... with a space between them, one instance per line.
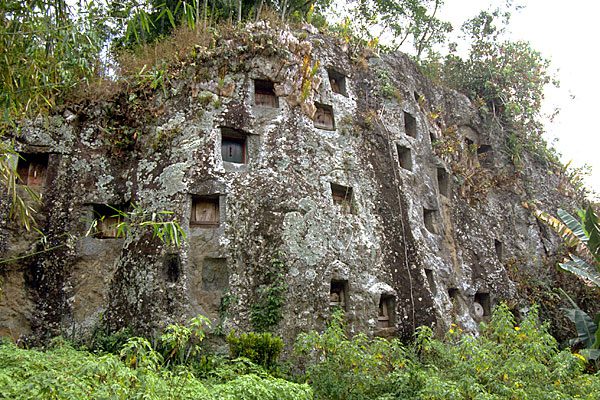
x=305 y=176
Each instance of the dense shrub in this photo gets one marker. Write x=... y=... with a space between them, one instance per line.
x=339 y=368
x=65 y=373
x=260 y=348
x=507 y=361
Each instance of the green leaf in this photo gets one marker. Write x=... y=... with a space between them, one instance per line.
x=586 y=328
x=590 y=354
x=582 y=269
x=575 y=226
x=592 y=227
x=596 y=344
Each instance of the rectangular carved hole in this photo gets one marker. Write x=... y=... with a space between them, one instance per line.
x=32 y=168
x=385 y=317
x=453 y=293
x=499 y=247
x=410 y=125
x=442 y=179
x=264 y=94
x=215 y=274
x=338 y=294
x=430 y=281
x=342 y=198
x=482 y=306
x=205 y=210
x=323 y=118
x=484 y=148
x=172 y=267
x=484 y=154
x=107 y=217
x=233 y=145
x=432 y=140
x=337 y=82
x=430 y=219
x=405 y=158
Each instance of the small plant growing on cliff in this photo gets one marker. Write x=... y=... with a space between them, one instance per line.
x=266 y=312
x=166 y=230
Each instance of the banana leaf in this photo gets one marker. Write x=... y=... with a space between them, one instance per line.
x=582 y=269
x=575 y=226
x=586 y=328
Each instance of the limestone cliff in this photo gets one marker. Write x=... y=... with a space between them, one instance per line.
x=306 y=176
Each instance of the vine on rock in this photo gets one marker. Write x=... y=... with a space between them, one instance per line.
x=266 y=311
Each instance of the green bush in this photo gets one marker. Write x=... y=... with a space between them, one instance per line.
x=357 y=368
x=65 y=373
x=252 y=387
x=266 y=311
x=507 y=361
x=181 y=344
x=260 y=348
x=104 y=342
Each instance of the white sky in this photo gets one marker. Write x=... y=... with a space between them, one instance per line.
x=567 y=33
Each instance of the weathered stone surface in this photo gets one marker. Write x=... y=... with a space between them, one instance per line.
x=159 y=149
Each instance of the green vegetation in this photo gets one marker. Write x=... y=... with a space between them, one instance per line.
x=260 y=348
x=265 y=311
x=162 y=225
x=583 y=239
x=65 y=373
x=506 y=79
x=507 y=361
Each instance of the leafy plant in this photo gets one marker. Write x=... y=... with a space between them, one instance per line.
x=507 y=360
x=166 y=230
x=401 y=22
x=582 y=236
x=587 y=241
x=583 y=239
x=104 y=342
x=22 y=198
x=138 y=352
x=265 y=312
x=588 y=334
x=505 y=78
x=343 y=368
x=65 y=373
x=260 y=348
x=181 y=343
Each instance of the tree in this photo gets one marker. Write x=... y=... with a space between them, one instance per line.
x=47 y=49
x=400 y=22
x=505 y=78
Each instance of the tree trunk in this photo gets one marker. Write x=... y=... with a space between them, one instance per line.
x=284 y=9
x=420 y=43
x=197 y=15
x=260 y=5
x=205 y=14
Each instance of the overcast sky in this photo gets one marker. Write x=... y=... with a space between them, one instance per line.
x=567 y=33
